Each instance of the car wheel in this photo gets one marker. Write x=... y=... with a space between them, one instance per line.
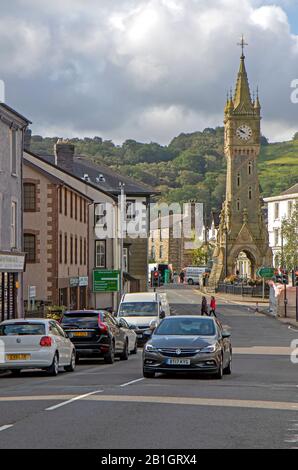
x=148 y=375
x=219 y=372
x=15 y=372
x=135 y=350
x=190 y=282
x=110 y=357
x=72 y=364
x=54 y=368
x=228 y=369
x=125 y=354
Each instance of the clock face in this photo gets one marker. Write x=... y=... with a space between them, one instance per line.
x=244 y=132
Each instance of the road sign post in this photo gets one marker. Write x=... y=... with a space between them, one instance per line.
x=106 y=281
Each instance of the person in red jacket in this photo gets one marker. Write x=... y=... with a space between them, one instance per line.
x=212 y=306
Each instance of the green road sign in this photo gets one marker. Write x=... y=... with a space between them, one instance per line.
x=266 y=273
x=106 y=281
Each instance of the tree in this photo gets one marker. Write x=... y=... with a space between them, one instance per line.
x=290 y=236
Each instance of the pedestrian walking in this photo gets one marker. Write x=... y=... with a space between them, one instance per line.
x=181 y=276
x=204 y=306
x=212 y=305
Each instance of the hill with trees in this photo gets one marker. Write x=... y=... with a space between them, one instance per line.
x=192 y=166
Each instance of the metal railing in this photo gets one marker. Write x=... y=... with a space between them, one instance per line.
x=243 y=290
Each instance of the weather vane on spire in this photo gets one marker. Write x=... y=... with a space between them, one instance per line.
x=242 y=43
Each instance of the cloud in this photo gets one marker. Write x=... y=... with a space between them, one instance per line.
x=144 y=69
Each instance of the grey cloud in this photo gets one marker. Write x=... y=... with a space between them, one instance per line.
x=144 y=69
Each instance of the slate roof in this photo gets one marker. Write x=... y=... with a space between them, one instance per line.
x=111 y=178
x=11 y=110
x=292 y=190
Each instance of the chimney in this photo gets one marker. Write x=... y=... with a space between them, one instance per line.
x=27 y=139
x=64 y=153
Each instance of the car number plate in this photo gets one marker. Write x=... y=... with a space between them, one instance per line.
x=81 y=333
x=178 y=362
x=17 y=357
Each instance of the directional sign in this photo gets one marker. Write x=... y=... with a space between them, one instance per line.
x=106 y=281
x=266 y=273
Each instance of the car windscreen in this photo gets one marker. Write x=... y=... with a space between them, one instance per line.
x=22 y=329
x=80 y=320
x=186 y=327
x=138 y=309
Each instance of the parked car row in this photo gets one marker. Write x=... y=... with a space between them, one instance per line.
x=188 y=343
x=48 y=345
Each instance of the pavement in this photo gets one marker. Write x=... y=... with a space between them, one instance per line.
x=103 y=406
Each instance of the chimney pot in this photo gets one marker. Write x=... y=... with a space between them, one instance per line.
x=64 y=154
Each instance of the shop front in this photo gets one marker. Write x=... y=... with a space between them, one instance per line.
x=74 y=296
x=11 y=269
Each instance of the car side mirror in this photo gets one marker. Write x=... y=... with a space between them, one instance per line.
x=147 y=333
x=226 y=334
x=162 y=314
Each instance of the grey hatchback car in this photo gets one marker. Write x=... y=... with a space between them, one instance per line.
x=188 y=344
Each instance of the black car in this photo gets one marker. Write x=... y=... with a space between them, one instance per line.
x=95 y=333
x=188 y=344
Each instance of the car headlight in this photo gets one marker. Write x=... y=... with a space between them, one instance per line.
x=150 y=348
x=209 y=349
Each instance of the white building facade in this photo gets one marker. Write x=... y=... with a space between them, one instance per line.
x=280 y=208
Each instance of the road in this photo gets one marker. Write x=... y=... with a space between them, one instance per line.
x=111 y=406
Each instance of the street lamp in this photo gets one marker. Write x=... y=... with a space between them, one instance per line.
x=122 y=222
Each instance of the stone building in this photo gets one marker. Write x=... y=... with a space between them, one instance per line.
x=12 y=258
x=242 y=231
x=168 y=242
x=56 y=221
x=101 y=185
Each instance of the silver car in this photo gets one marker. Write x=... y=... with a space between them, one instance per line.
x=188 y=344
x=35 y=344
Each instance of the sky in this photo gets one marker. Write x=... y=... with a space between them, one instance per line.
x=145 y=69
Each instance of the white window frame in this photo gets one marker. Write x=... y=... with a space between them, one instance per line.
x=13 y=225
x=13 y=148
x=98 y=254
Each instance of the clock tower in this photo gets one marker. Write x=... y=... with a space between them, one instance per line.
x=242 y=231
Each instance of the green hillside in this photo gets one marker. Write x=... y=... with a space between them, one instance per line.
x=192 y=166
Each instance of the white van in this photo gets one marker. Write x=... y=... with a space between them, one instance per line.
x=194 y=273
x=141 y=309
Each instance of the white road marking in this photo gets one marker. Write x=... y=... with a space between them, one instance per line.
x=264 y=350
x=132 y=382
x=7 y=426
x=265 y=405
x=79 y=397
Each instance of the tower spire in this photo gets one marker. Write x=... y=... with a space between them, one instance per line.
x=242 y=98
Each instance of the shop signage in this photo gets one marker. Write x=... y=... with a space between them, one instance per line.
x=73 y=282
x=83 y=281
x=106 y=281
x=32 y=292
x=12 y=263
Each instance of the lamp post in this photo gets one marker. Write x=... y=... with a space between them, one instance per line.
x=122 y=222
